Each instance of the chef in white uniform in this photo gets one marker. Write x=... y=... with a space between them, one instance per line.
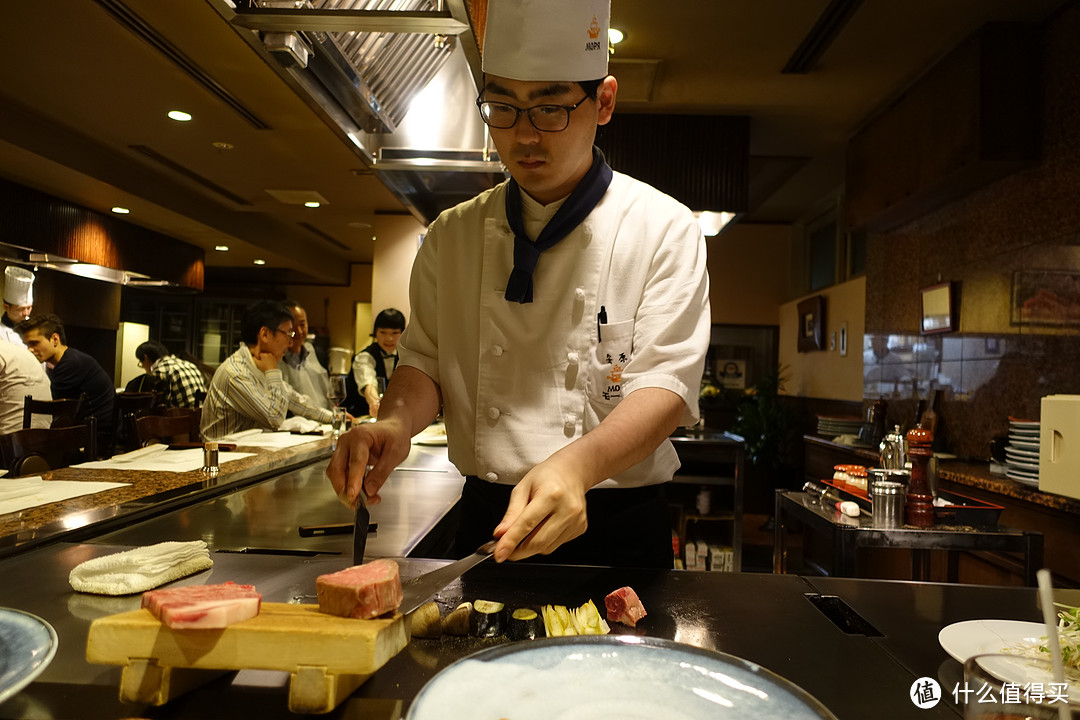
x=559 y=320
x=18 y=302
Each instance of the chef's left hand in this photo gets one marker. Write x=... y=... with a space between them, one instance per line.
x=547 y=509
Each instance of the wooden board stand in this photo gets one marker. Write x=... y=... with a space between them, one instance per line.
x=327 y=656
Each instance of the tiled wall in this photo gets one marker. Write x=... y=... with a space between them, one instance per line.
x=997 y=364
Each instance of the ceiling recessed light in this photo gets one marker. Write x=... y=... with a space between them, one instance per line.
x=259 y=261
x=120 y=210
x=312 y=204
x=221 y=248
x=615 y=36
x=222 y=145
x=179 y=115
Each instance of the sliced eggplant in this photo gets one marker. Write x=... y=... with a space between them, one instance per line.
x=488 y=619
x=525 y=624
x=457 y=622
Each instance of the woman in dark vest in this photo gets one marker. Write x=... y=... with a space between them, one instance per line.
x=372 y=366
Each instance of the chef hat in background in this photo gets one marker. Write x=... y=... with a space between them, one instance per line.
x=18 y=286
x=548 y=40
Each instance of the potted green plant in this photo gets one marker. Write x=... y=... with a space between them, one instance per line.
x=766 y=423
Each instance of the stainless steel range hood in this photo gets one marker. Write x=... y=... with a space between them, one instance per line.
x=397 y=79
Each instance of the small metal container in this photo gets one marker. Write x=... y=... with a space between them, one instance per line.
x=888 y=504
x=210 y=458
x=885 y=475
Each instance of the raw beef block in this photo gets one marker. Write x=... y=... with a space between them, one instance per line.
x=362 y=591
x=203 y=606
x=624 y=606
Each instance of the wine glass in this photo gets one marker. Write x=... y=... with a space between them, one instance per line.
x=336 y=390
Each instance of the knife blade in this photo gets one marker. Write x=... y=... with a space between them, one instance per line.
x=360 y=530
x=417 y=590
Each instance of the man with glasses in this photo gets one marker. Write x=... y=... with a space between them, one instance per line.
x=559 y=320
x=300 y=367
x=248 y=390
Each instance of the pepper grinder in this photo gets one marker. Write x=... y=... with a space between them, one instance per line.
x=919 y=510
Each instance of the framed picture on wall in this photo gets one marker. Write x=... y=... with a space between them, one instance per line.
x=939 y=309
x=1046 y=297
x=811 y=324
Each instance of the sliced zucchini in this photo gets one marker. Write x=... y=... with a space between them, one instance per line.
x=525 y=624
x=488 y=619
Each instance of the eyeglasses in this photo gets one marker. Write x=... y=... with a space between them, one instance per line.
x=545 y=118
x=287 y=333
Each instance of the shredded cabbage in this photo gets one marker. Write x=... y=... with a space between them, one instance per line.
x=1068 y=637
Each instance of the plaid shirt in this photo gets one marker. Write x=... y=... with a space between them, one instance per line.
x=182 y=380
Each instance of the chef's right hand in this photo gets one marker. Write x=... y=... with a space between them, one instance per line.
x=380 y=446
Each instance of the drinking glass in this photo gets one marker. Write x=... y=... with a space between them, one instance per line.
x=337 y=425
x=336 y=391
x=1015 y=687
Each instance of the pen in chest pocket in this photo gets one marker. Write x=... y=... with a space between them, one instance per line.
x=601 y=319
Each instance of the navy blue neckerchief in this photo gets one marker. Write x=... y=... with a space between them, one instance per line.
x=519 y=288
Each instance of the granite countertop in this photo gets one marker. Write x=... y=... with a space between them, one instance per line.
x=148 y=493
x=977 y=475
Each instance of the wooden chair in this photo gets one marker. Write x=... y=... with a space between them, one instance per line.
x=64 y=412
x=166 y=428
x=126 y=407
x=37 y=450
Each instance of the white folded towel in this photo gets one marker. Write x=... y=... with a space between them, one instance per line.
x=299 y=424
x=140 y=569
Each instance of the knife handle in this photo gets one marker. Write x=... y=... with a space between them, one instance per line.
x=332 y=529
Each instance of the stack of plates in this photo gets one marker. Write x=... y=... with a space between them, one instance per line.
x=833 y=426
x=1022 y=452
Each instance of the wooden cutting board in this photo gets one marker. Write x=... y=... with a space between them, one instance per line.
x=327 y=656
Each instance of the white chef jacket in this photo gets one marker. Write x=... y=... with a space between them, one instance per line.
x=520 y=381
x=20 y=375
x=9 y=334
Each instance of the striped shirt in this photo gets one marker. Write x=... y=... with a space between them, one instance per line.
x=242 y=397
x=182 y=381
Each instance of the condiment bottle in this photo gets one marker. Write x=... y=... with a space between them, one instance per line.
x=210 y=458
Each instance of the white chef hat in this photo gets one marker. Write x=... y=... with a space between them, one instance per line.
x=18 y=286
x=549 y=40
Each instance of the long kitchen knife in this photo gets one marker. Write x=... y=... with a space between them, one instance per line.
x=360 y=529
x=417 y=590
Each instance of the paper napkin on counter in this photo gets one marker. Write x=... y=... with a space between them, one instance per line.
x=140 y=569
x=18 y=494
x=300 y=425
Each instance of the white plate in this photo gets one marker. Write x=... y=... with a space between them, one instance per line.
x=1032 y=446
x=609 y=676
x=1022 y=462
x=979 y=637
x=1010 y=450
x=1023 y=479
x=27 y=646
x=1024 y=423
x=1025 y=435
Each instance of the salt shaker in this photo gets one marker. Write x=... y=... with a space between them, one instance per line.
x=888 y=504
x=210 y=458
